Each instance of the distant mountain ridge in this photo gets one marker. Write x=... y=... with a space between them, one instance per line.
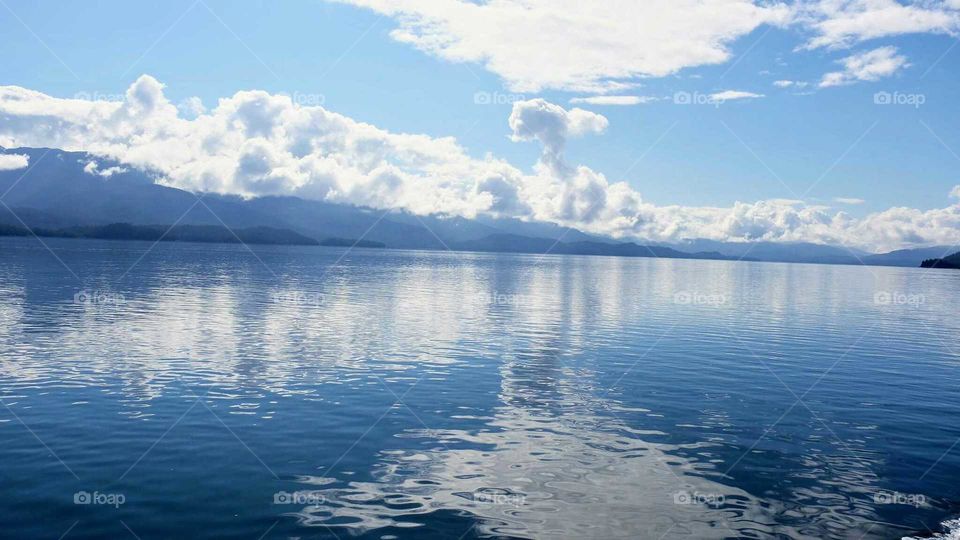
x=62 y=190
x=776 y=252
x=802 y=252
x=524 y=244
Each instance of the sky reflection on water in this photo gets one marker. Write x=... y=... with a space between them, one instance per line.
x=421 y=394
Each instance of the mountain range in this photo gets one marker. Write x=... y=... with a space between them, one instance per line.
x=63 y=190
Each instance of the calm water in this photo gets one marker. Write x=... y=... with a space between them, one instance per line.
x=207 y=391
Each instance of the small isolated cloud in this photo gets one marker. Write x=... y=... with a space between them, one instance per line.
x=613 y=100
x=867 y=66
x=849 y=200
x=12 y=162
x=955 y=192
x=93 y=168
x=784 y=83
x=731 y=95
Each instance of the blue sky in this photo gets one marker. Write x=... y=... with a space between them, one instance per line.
x=809 y=143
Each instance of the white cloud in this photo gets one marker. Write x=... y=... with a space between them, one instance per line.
x=93 y=168
x=764 y=220
x=790 y=84
x=849 y=200
x=254 y=143
x=843 y=23
x=596 y=46
x=613 y=100
x=570 y=194
x=866 y=66
x=604 y=46
x=552 y=124
x=12 y=162
x=955 y=192
x=732 y=95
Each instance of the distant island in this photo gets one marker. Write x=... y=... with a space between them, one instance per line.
x=176 y=233
x=952 y=261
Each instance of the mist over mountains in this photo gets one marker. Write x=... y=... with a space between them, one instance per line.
x=59 y=190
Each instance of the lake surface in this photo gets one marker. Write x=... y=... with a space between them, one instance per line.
x=211 y=391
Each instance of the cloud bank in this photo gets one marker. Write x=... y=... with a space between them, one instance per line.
x=254 y=143
x=528 y=42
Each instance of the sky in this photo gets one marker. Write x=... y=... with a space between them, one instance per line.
x=818 y=120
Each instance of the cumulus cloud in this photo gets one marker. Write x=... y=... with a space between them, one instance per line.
x=12 y=162
x=786 y=221
x=613 y=100
x=955 y=192
x=570 y=194
x=551 y=124
x=528 y=43
x=843 y=23
x=254 y=143
x=866 y=66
